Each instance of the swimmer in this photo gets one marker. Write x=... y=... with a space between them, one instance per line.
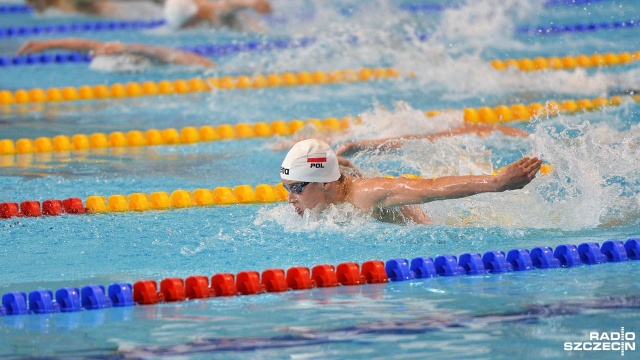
x=309 y=131
x=90 y=7
x=312 y=175
x=222 y=13
x=483 y=130
x=132 y=53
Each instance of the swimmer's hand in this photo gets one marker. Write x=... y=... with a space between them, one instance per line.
x=518 y=174
x=72 y=44
x=32 y=46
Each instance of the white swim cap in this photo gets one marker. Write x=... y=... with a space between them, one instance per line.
x=178 y=12
x=310 y=160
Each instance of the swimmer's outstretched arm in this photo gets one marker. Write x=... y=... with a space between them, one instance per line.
x=81 y=45
x=227 y=6
x=159 y=53
x=402 y=191
x=351 y=148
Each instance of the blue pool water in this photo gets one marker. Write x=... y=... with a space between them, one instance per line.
x=593 y=194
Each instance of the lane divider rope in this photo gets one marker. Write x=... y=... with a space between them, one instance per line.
x=15 y=9
x=576 y=28
x=147 y=292
x=566 y=62
x=98 y=26
x=160 y=200
x=207 y=133
x=119 y=25
x=572 y=2
x=182 y=86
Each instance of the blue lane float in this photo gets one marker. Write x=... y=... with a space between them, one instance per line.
x=99 y=26
x=94 y=297
x=551 y=3
x=576 y=28
x=520 y=260
x=15 y=9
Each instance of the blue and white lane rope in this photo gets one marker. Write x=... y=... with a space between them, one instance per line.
x=91 y=297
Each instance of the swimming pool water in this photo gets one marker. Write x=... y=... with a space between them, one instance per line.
x=591 y=196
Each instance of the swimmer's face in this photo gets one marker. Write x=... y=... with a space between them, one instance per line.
x=312 y=196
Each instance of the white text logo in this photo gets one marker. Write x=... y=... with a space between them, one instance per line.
x=605 y=341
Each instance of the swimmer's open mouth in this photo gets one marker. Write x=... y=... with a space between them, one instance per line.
x=299 y=211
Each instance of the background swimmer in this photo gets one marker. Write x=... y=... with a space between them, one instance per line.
x=110 y=8
x=483 y=130
x=222 y=13
x=349 y=148
x=127 y=56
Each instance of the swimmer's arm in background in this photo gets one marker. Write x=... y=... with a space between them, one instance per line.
x=403 y=191
x=160 y=53
x=227 y=6
x=216 y=11
x=80 y=45
x=388 y=144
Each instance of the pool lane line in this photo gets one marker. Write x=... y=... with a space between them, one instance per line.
x=162 y=200
x=208 y=133
x=169 y=136
x=15 y=9
x=173 y=289
x=566 y=62
x=194 y=85
x=80 y=27
x=552 y=3
x=541 y=30
x=159 y=200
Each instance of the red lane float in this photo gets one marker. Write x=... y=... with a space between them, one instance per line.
x=248 y=283
x=324 y=276
x=274 y=280
x=145 y=292
x=197 y=287
x=349 y=274
x=224 y=285
x=50 y=207
x=30 y=208
x=9 y=210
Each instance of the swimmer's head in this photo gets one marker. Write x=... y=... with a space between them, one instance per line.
x=177 y=13
x=310 y=160
x=309 y=172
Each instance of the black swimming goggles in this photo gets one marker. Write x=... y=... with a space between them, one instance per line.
x=296 y=188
